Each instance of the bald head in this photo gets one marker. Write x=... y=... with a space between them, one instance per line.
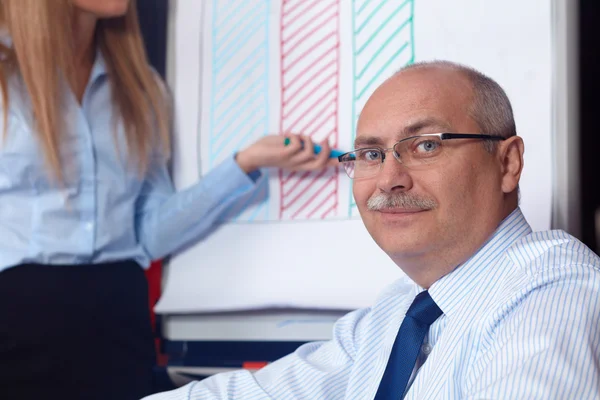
x=489 y=105
x=418 y=99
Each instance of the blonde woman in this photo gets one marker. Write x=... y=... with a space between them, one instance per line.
x=86 y=200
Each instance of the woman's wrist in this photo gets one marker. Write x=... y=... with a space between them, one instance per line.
x=245 y=162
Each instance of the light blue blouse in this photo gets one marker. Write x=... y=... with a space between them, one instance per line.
x=105 y=211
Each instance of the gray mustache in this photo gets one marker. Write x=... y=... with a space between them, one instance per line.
x=399 y=200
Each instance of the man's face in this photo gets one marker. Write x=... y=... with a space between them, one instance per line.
x=452 y=203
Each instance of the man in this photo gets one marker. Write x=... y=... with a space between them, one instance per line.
x=489 y=310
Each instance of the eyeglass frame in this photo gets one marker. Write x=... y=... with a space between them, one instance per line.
x=442 y=135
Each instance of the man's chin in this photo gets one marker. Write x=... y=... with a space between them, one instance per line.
x=398 y=238
x=402 y=245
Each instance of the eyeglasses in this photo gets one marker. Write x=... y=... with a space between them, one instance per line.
x=415 y=152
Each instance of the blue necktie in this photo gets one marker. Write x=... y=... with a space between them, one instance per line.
x=420 y=315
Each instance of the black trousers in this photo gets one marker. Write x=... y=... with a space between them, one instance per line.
x=75 y=332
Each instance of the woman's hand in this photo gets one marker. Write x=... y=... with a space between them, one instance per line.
x=271 y=151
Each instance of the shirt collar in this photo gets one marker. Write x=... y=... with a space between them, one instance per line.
x=99 y=69
x=5 y=37
x=472 y=277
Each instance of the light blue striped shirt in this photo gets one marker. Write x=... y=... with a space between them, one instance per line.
x=521 y=321
x=105 y=211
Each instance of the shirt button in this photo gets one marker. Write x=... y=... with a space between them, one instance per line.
x=426 y=349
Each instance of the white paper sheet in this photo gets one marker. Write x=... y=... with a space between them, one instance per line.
x=241 y=69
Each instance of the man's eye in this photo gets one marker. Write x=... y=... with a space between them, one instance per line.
x=370 y=155
x=427 y=146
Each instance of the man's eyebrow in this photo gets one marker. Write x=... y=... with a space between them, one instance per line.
x=365 y=141
x=426 y=123
x=432 y=124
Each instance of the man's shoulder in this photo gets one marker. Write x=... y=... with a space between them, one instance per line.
x=555 y=250
x=551 y=290
x=539 y=266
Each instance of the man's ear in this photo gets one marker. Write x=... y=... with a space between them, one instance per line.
x=510 y=155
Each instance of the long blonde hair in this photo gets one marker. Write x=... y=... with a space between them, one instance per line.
x=42 y=52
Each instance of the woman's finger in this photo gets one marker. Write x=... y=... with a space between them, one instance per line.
x=322 y=158
x=292 y=146
x=333 y=162
x=305 y=155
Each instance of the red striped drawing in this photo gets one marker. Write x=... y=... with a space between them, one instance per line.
x=310 y=56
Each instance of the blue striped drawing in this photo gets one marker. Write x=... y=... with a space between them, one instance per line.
x=382 y=43
x=239 y=112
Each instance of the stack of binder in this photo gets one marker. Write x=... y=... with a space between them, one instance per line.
x=200 y=345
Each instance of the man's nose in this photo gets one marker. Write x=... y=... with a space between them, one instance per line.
x=394 y=176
